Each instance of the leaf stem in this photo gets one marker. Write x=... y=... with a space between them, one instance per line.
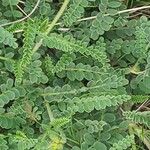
x=73 y=141
x=50 y=114
x=6 y=59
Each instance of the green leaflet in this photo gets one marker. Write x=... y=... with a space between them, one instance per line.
x=19 y=71
x=101 y=24
x=17 y=109
x=7 y=38
x=58 y=93
x=3 y=143
x=10 y=2
x=48 y=65
x=142 y=38
x=29 y=37
x=36 y=74
x=21 y=141
x=65 y=60
x=95 y=126
x=73 y=73
x=124 y=143
x=16 y=27
x=10 y=121
x=74 y=12
x=138 y=117
x=70 y=45
x=88 y=104
x=104 y=20
x=6 y=97
x=59 y=122
x=139 y=98
x=10 y=94
x=81 y=71
x=114 y=4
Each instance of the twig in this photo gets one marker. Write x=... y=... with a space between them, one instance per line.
x=135 y=15
x=141 y=106
x=146 y=108
x=119 y=12
x=22 y=2
x=18 y=31
x=22 y=10
x=121 y=110
x=134 y=9
x=22 y=19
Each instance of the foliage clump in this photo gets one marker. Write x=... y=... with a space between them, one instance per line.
x=74 y=75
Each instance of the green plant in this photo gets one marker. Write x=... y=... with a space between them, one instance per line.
x=74 y=75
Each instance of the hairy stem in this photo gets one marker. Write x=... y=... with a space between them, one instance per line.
x=59 y=14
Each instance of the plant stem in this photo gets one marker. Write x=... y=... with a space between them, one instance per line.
x=52 y=24
x=4 y=58
x=59 y=14
x=119 y=12
x=73 y=141
x=50 y=114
